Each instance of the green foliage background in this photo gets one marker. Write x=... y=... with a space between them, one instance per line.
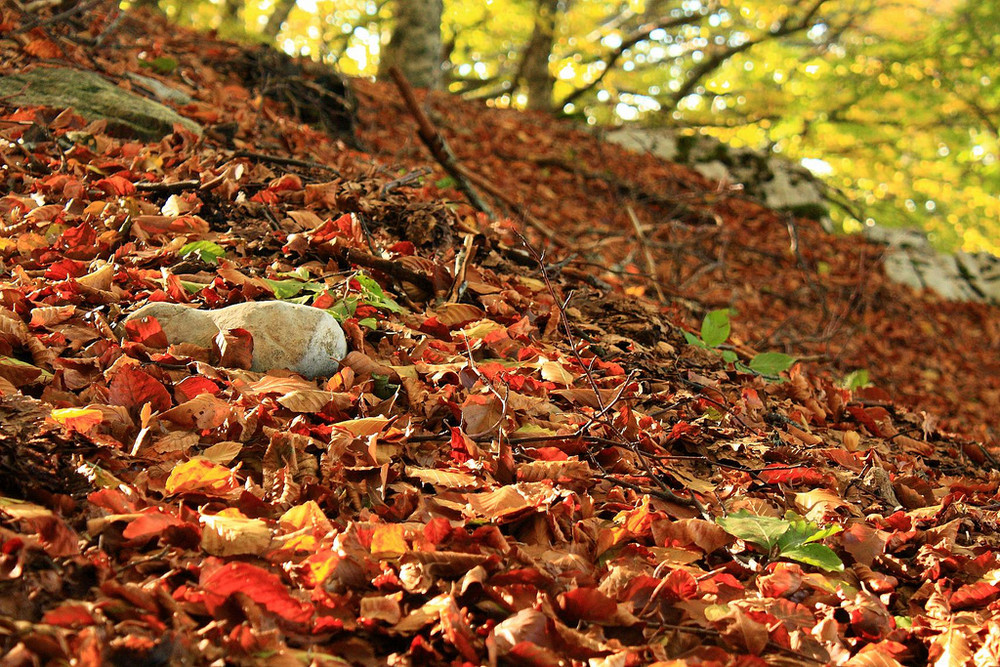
x=899 y=99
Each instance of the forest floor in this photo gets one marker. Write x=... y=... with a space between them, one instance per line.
x=523 y=460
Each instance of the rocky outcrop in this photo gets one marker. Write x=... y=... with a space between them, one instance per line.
x=94 y=98
x=780 y=184
x=910 y=259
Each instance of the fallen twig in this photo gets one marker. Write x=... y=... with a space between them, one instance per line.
x=436 y=144
x=277 y=159
x=405 y=180
x=640 y=235
x=386 y=266
x=521 y=211
x=55 y=18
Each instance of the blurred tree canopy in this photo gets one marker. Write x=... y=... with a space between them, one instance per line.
x=895 y=102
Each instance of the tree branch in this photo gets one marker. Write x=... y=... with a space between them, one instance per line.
x=638 y=35
x=709 y=65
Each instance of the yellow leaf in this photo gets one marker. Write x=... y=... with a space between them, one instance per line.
x=78 y=419
x=200 y=475
x=389 y=541
x=306 y=515
x=363 y=427
x=233 y=536
x=553 y=371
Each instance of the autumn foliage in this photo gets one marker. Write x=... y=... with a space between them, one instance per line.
x=521 y=460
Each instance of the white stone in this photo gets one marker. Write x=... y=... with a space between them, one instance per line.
x=789 y=190
x=285 y=335
x=715 y=171
x=899 y=269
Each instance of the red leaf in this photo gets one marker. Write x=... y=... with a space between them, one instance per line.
x=116 y=186
x=586 y=604
x=192 y=386
x=133 y=387
x=260 y=585
x=43 y=48
x=69 y=615
x=793 y=476
x=149 y=524
x=680 y=585
x=974 y=595
x=146 y=330
x=234 y=348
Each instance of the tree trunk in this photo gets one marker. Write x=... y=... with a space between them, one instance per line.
x=278 y=17
x=231 y=9
x=538 y=79
x=415 y=46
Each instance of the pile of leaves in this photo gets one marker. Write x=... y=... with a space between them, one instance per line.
x=521 y=461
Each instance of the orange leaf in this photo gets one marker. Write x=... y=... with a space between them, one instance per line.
x=586 y=604
x=389 y=541
x=133 y=387
x=202 y=476
x=78 y=419
x=260 y=585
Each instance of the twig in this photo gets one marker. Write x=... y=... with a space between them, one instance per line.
x=405 y=180
x=532 y=221
x=116 y=19
x=647 y=253
x=461 y=268
x=436 y=144
x=604 y=408
x=289 y=161
x=55 y=18
x=388 y=267
x=168 y=188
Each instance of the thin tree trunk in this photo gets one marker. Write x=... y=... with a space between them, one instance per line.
x=538 y=79
x=415 y=46
x=231 y=9
x=278 y=17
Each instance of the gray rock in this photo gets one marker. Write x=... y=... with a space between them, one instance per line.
x=286 y=335
x=94 y=98
x=900 y=269
x=163 y=92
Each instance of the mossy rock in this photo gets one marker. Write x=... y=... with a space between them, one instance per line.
x=94 y=98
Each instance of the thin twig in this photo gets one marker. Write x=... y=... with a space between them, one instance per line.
x=288 y=161
x=386 y=266
x=520 y=210
x=640 y=235
x=55 y=18
x=436 y=144
x=405 y=180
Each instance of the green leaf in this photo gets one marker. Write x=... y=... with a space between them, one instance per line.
x=373 y=295
x=207 y=251
x=856 y=379
x=285 y=289
x=693 y=340
x=192 y=288
x=446 y=182
x=715 y=327
x=369 y=322
x=344 y=308
x=161 y=65
x=815 y=554
x=729 y=356
x=771 y=363
x=764 y=531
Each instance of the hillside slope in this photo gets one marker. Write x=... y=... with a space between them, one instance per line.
x=521 y=461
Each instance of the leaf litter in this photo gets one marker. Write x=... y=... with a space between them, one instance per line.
x=521 y=460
